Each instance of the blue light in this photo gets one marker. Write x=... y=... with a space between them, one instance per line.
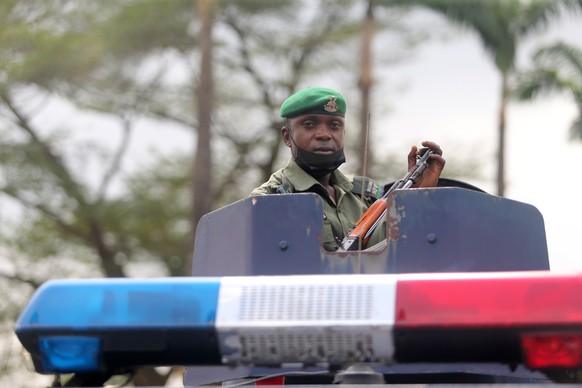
x=72 y=326
x=130 y=303
x=67 y=353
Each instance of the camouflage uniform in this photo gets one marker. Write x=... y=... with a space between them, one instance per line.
x=339 y=216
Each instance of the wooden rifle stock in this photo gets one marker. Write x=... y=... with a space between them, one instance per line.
x=357 y=238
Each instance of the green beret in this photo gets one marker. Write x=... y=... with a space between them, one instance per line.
x=314 y=100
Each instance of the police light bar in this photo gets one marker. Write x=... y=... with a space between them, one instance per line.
x=534 y=318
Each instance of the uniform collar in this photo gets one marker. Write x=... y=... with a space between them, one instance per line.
x=302 y=181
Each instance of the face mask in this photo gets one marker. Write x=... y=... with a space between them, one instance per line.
x=318 y=165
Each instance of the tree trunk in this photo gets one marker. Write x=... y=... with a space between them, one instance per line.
x=365 y=84
x=501 y=135
x=202 y=169
x=107 y=256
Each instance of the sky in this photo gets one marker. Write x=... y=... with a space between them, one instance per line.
x=450 y=95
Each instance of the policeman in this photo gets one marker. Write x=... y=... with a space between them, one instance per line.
x=314 y=131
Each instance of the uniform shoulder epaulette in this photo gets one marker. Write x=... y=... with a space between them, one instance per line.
x=366 y=186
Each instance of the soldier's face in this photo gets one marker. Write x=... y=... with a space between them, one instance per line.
x=322 y=134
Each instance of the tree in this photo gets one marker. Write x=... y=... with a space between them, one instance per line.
x=202 y=168
x=557 y=68
x=59 y=50
x=97 y=66
x=365 y=83
x=501 y=26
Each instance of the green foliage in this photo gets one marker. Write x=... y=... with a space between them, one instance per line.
x=499 y=24
x=133 y=60
x=155 y=212
x=149 y=219
x=39 y=45
x=148 y=26
x=557 y=68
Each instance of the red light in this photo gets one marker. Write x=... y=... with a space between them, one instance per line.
x=552 y=350
x=488 y=300
x=272 y=381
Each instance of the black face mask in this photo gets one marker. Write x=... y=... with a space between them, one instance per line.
x=318 y=165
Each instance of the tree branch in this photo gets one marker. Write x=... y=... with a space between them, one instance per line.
x=60 y=171
x=115 y=165
x=247 y=64
x=67 y=228
x=20 y=279
x=96 y=235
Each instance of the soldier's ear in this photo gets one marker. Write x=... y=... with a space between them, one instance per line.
x=286 y=135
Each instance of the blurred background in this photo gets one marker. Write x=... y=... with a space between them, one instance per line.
x=123 y=122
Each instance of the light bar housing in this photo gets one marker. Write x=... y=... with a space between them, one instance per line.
x=79 y=326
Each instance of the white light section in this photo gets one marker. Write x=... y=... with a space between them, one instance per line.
x=309 y=320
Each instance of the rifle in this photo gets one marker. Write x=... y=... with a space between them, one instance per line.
x=359 y=235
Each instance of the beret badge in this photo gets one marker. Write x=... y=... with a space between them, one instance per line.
x=331 y=105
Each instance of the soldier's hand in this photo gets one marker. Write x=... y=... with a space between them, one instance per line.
x=435 y=166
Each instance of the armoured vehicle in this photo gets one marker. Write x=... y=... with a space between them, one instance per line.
x=461 y=292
